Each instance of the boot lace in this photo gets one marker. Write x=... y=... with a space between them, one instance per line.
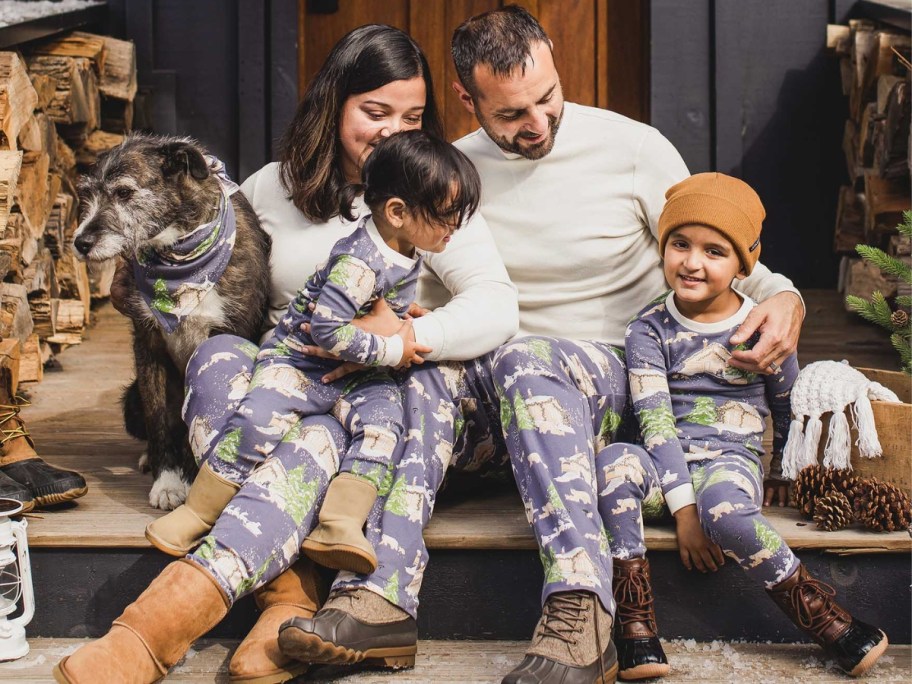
x=11 y=425
x=634 y=599
x=564 y=617
x=817 y=620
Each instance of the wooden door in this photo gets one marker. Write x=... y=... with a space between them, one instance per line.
x=599 y=45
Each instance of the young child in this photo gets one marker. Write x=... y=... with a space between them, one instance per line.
x=702 y=424
x=419 y=190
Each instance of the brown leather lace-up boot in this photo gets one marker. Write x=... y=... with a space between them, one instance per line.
x=20 y=462
x=640 y=654
x=572 y=644
x=809 y=603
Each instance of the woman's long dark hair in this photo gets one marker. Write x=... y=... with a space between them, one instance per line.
x=363 y=60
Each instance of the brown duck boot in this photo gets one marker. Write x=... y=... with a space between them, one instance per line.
x=181 y=530
x=338 y=541
x=46 y=485
x=297 y=592
x=572 y=644
x=353 y=627
x=809 y=603
x=154 y=632
x=640 y=654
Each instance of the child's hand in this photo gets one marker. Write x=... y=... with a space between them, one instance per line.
x=694 y=546
x=411 y=350
x=775 y=490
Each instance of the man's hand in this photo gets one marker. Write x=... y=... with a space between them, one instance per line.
x=779 y=321
x=694 y=546
x=775 y=490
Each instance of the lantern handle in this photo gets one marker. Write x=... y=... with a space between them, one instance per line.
x=25 y=574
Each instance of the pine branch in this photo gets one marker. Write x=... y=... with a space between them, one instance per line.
x=905 y=228
x=886 y=263
x=904 y=302
x=901 y=344
x=877 y=310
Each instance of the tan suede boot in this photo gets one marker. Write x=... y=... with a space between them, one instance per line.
x=154 y=632
x=181 y=530
x=338 y=542
x=297 y=592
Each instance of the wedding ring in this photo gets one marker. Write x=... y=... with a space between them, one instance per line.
x=773 y=366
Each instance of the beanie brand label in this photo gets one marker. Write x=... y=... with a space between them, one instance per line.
x=754 y=246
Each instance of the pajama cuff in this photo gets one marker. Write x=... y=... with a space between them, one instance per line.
x=392 y=351
x=679 y=497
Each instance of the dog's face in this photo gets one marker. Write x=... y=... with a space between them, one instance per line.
x=148 y=191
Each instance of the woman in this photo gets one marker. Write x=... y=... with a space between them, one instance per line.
x=375 y=82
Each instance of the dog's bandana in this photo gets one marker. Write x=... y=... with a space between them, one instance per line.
x=174 y=282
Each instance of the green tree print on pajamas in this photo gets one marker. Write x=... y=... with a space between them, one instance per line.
x=729 y=491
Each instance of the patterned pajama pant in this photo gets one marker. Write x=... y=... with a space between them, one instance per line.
x=729 y=492
x=553 y=404
x=286 y=387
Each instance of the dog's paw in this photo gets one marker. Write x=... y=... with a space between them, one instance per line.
x=168 y=491
x=143 y=464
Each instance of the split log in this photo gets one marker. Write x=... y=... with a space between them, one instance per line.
x=850 y=221
x=32 y=191
x=891 y=142
x=30 y=138
x=118 y=78
x=73 y=279
x=6 y=261
x=44 y=316
x=865 y=278
x=76 y=99
x=10 y=165
x=39 y=278
x=885 y=201
x=55 y=231
x=71 y=316
x=15 y=319
x=850 y=148
x=65 y=159
x=17 y=98
x=838 y=39
x=96 y=144
x=45 y=86
x=31 y=366
x=9 y=365
x=75 y=44
x=39 y=135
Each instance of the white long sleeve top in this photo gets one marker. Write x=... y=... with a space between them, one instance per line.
x=473 y=302
x=577 y=229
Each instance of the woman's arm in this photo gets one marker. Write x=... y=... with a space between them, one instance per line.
x=484 y=310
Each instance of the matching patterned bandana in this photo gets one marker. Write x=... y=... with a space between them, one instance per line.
x=174 y=282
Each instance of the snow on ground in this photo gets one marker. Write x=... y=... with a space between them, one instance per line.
x=16 y=12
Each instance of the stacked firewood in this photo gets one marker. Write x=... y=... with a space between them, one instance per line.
x=62 y=103
x=877 y=79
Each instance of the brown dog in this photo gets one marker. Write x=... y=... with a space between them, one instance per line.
x=146 y=201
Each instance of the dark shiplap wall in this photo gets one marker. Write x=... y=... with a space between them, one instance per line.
x=744 y=87
x=739 y=86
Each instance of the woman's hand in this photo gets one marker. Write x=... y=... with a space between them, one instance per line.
x=779 y=321
x=416 y=311
x=411 y=350
x=695 y=547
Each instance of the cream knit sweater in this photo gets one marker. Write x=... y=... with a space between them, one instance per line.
x=577 y=229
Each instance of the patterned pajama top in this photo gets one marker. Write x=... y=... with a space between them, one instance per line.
x=690 y=403
x=360 y=269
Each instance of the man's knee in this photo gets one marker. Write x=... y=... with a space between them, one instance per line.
x=524 y=353
x=621 y=466
x=221 y=348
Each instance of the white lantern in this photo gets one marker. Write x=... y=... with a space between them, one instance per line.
x=15 y=582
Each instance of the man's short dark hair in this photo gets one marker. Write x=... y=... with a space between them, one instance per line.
x=502 y=39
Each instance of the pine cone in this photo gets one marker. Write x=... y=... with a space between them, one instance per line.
x=814 y=481
x=900 y=318
x=832 y=511
x=883 y=507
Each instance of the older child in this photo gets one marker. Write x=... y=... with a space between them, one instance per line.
x=702 y=424
x=419 y=190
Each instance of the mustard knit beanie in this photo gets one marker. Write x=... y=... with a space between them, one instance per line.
x=727 y=204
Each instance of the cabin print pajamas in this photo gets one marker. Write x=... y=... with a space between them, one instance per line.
x=702 y=424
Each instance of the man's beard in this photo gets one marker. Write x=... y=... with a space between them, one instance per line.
x=533 y=152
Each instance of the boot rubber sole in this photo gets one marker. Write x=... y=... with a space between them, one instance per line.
x=871 y=657
x=610 y=676
x=339 y=556
x=59 y=674
x=646 y=671
x=310 y=648
x=289 y=671
x=166 y=547
x=60 y=497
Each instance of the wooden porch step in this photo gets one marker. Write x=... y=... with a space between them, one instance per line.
x=484 y=662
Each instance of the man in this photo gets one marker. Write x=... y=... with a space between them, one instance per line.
x=572 y=195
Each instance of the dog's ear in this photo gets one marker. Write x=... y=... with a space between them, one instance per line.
x=182 y=157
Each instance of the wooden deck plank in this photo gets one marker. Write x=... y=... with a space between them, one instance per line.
x=484 y=662
x=75 y=419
